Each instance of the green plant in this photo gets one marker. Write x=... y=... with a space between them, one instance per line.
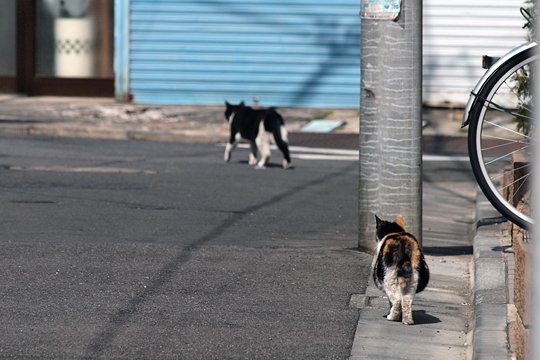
x=524 y=77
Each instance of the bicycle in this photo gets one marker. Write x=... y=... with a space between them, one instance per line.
x=501 y=130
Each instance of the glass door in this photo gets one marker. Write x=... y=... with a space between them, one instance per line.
x=74 y=39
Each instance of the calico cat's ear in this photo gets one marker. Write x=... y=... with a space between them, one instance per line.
x=378 y=226
x=227 y=103
x=400 y=221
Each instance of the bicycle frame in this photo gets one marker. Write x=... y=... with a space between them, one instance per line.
x=487 y=75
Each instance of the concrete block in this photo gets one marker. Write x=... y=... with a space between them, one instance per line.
x=490 y=345
x=487 y=251
x=489 y=274
x=490 y=317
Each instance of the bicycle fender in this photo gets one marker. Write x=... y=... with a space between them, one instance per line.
x=487 y=75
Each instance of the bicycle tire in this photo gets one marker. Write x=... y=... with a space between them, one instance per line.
x=477 y=124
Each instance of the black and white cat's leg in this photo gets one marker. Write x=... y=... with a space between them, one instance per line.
x=263 y=142
x=233 y=140
x=281 y=139
x=253 y=153
x=228 y=149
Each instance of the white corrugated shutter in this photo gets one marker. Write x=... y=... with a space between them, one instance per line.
x=456 y=35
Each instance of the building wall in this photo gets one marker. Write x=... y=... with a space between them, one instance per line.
x=274 y=53
x=293 y=52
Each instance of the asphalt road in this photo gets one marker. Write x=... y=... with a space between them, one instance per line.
x=119 y=249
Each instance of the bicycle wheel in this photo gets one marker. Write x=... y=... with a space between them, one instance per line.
x=500 y=136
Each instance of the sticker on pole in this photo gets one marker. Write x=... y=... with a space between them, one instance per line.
x=380 y=9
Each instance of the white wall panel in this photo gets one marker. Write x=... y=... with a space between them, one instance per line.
x=456 y=34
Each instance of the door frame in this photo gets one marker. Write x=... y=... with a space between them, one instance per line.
x=27 y=82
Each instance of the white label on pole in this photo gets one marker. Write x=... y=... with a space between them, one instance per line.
x=380 y=9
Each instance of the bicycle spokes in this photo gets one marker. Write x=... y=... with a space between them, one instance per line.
x=501 y=131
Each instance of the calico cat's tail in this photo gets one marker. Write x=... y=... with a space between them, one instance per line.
x=391 y=253
x=410 y=259
x=402 y=252
x=403 y=262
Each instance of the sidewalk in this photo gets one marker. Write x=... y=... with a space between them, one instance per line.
x=443 y=312
x=463 y=312
x=104 y=118
x=453 y=320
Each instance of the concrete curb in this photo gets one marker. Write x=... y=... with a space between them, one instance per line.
x=490 y=337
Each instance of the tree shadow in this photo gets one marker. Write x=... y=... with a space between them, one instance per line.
x=336 y=39
x=338 y=46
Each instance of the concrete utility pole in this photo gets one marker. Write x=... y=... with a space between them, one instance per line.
x=390 y=118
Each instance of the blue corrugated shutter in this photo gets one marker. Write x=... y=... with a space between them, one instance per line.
x=278 y=52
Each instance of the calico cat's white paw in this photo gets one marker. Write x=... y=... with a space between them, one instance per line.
x=408 y=321
x=394 y=317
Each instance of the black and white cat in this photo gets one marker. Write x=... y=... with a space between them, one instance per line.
x=257 y=126
x=399 y=268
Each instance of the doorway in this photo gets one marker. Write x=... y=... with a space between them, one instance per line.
x=57 y=47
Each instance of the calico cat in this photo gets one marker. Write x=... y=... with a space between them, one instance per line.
x=399 y=268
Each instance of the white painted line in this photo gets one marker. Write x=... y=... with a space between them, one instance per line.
x=305 y=149
x=324 y=157
x=82 y=169
x=444 y=158
x=324 y=151
x=308 y=153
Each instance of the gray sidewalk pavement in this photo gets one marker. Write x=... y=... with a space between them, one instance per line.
x=443 y=312
x=463 y=312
